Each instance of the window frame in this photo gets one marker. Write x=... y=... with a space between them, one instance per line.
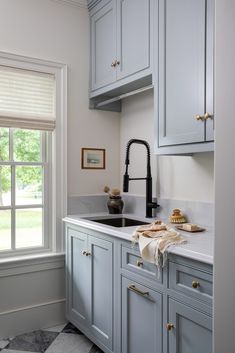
x=56 y=172
x=46 y=196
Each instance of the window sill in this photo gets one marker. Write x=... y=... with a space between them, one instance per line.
x=31 y=263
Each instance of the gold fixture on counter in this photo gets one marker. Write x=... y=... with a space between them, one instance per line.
x=177 y=217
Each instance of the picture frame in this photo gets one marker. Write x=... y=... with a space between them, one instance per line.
x=92 y=158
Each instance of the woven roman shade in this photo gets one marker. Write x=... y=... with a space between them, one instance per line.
x=27 y=99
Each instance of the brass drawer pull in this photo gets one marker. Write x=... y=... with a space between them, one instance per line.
x=139 y=263
x=133 y=288
x=195 y=284
x=169 y=327
x=114 y=63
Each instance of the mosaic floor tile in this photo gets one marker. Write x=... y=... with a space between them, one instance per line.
x=37 y=341
x=14 y=351
x=95 y=349
x=3 y=344
x=70 y=328
x=70 y=343
x=64 y=338
x=58 y=328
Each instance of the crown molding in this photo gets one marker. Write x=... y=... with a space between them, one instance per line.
x=74 y=3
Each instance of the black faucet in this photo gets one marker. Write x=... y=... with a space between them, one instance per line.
x=149 y=202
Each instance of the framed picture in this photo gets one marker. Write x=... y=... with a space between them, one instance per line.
x=93 y=158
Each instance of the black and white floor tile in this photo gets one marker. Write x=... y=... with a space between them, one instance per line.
x=60 y=339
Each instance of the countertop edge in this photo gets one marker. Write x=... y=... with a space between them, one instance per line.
x=179 y=250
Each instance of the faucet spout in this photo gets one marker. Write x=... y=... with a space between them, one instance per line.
x=149 y=202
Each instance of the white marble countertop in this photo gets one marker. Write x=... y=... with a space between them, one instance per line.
x=199 y=245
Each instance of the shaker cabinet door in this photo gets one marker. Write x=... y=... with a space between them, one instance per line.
x=185 y=71
x=103 y=45
x=133 y=36
x=141 y=318
x=192 y=331
x=101 y=315
x=77 y=269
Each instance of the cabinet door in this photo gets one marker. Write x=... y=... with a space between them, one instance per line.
x=77 y=270
x=103 y=44
x=192 y=332
x=141 y=318
x=133 y=36
x=101 y=300
x=182 y=70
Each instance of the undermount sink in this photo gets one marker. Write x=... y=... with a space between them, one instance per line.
x=119 y=222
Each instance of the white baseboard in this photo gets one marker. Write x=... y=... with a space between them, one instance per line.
x=31 y=318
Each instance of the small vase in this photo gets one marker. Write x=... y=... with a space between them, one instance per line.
x=115 y=204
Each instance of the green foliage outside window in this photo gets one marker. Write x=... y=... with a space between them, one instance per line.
x=26 y=148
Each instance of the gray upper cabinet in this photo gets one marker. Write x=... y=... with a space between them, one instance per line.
x=184 y=76
x=133 y=37
x=103 y=44
x=121 y=50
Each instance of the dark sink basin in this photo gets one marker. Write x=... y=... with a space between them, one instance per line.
x=119 y=222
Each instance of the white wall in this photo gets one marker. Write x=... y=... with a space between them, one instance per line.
x=224 y=266
x=177 y=177
x=32 y=295
x=50 y=30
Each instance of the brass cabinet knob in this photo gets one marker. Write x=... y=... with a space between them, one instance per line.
x=204 y=117
x=114 y=63
x=199 y=117
x=139 y=263
x=88 y=253
x=84 y=252
x=195 y=284
x=169 y=327
x=208 y=116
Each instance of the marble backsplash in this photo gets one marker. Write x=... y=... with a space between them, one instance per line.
x=201 y=213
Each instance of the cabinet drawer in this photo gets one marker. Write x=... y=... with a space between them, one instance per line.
x=191 y=282
x=132 y=261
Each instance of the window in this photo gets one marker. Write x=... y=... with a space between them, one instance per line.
x=32 y=155
x=24 y=178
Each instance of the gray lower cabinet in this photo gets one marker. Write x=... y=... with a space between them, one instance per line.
x=141 y=322
x=124 y=306
x=184 y=76
x=133 y=37
x=191 y=330
x=89 y=269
